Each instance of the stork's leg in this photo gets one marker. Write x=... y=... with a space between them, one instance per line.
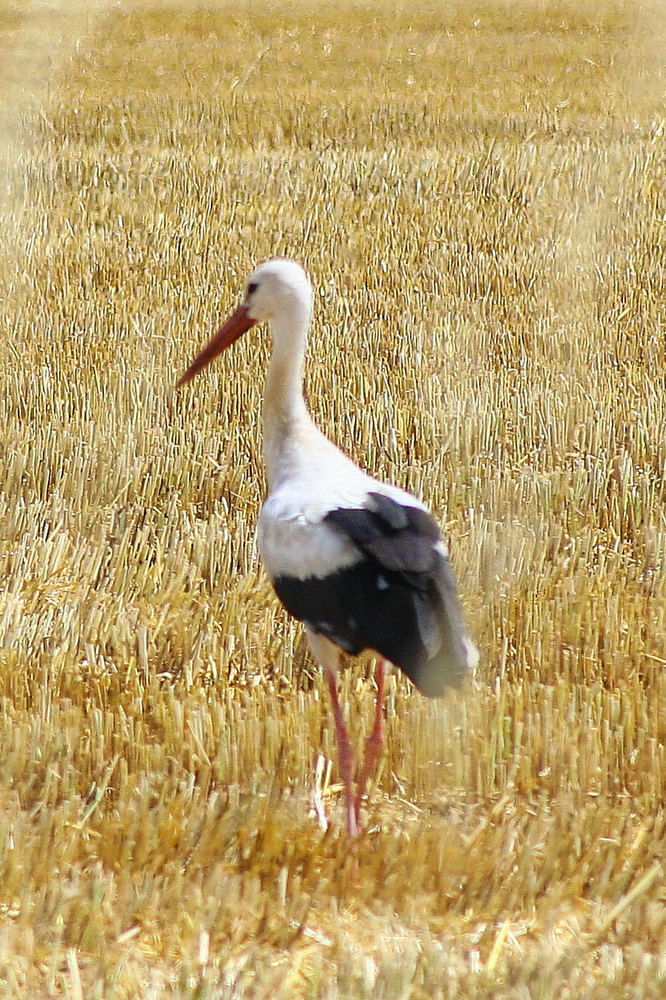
x=326 y=654
x=375 y=741
x=345 y=754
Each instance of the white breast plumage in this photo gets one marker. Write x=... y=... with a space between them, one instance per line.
x=295 y=542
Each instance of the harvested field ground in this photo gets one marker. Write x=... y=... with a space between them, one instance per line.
x=479 y=193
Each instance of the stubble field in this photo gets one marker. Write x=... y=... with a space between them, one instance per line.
x=479 y=194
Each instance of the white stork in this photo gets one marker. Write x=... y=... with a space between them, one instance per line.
x=360 y=562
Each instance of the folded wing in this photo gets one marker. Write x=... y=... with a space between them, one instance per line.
x=398 y=598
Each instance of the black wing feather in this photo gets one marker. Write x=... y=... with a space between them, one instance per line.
x=400 y=599
x=400 y=538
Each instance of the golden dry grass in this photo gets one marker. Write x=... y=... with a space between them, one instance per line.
x=479 y=192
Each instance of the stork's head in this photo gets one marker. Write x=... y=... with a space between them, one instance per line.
x=277 y=290
x=276 y=287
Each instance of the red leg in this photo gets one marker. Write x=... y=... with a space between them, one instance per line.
x=375 y=741
x=345 y=754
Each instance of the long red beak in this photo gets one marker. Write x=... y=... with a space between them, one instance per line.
x=237 y=324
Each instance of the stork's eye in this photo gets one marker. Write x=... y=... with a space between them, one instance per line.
x=252 y=287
